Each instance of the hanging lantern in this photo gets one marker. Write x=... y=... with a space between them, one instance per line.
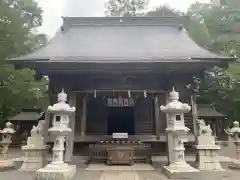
x=145 y=93
x=129 y=94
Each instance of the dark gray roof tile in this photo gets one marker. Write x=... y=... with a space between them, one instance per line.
x=111 y=40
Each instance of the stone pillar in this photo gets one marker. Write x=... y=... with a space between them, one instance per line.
x=194 y=114
x=70 y=138
x=157 y=116
x=84 y=117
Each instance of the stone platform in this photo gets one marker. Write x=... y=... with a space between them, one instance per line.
x=135 y=167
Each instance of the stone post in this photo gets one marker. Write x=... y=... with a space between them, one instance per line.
x=177 y=134
x=58 y=169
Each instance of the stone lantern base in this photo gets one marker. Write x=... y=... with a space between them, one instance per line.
x=235 y=164
x=56 y=172
x=178 y=167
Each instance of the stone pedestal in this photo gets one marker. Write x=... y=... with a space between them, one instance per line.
x=34 y=159
x=56 y=172
x=35 y=152
x=207 y=156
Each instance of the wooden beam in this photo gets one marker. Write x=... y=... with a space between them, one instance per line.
x=194 y=113
x=157 y=116
x=84 y=117
x=120 y=90
x=70 y=138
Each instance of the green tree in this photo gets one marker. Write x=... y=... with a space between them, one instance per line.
x=18 y=89
x=220 y=86
x=126 y=7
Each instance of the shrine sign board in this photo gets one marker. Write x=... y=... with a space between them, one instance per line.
x=120 y=102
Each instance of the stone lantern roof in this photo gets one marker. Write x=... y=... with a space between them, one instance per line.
x=61 y=105
x=235 y=128
x=175 y=106
x=8 y=128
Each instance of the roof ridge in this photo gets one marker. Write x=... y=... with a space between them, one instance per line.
x=69 y=22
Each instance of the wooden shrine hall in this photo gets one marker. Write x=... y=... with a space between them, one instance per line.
x=117 y=72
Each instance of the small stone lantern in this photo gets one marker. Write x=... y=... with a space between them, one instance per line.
x=57 y=169
x=235 y=136
x=176 y=134
x=7 y=134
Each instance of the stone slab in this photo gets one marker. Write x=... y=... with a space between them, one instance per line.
x=174 y=170
x=119 y=176
x=135 y=167
x=6 y=165
x=65 y=173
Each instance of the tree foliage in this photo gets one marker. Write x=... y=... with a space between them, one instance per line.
x=126 y=7
x=18 y=89
x=221 y=23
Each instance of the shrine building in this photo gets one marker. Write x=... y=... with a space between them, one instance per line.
x=117 y=72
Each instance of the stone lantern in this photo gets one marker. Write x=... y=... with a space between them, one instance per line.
x=57 y=169
x=7 y=134
x=235 y=136
x=176 y=134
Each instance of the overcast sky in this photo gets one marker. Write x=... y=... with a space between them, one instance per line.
x=54 y=9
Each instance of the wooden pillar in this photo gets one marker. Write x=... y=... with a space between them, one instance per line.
x=84 y=117
x=169 y=140
x=157 y=116
x=194 y=114
x=46 y=126
x=70 y=137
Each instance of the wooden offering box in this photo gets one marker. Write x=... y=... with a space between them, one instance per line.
x=120 y=156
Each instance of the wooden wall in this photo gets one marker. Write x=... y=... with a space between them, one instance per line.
x=144 y=116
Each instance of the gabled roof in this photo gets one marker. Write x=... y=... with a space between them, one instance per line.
x=205 y=110
x=25 y=116
x=127 y=39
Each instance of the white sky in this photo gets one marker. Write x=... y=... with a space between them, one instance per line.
x=54 y=9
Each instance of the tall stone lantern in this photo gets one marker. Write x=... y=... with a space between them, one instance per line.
x=58 y=169
x=234 y=132
x=177 y=134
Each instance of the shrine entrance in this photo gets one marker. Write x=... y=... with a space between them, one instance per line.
x=120 y=120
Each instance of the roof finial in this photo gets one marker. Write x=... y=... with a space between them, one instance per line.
x=173 y=89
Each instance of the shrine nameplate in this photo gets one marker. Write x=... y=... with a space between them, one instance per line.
x=120 y=135
x=120 y=156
